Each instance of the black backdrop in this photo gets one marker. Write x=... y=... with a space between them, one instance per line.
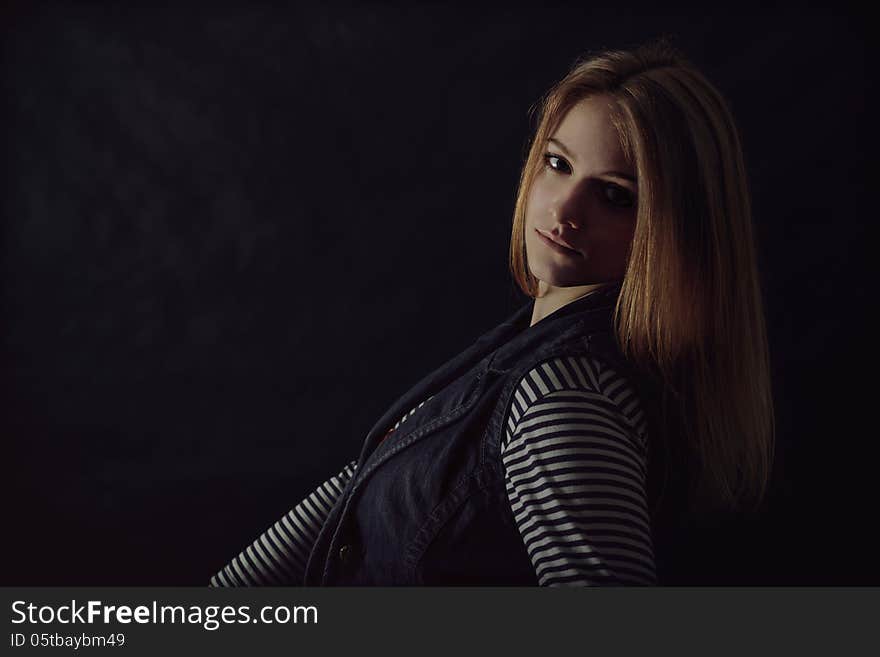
x=232 y=236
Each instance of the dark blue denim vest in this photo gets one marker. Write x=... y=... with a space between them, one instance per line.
x=428 y=506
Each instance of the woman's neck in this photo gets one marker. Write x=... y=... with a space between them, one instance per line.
x=550 y=298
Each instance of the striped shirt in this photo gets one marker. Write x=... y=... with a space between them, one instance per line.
x=574 y=456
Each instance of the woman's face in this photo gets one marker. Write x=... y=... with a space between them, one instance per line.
x=583 y=196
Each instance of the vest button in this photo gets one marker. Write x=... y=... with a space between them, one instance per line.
x=345 y=553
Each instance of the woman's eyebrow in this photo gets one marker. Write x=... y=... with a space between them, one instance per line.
x=562 y=147
x=619 y=174
x=615 y=174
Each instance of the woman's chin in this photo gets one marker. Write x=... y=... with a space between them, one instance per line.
x=556 y=276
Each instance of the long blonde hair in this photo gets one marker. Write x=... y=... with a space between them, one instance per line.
x=690 y=309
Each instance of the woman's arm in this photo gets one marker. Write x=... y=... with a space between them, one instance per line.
x=278 y=556
x=575 y=461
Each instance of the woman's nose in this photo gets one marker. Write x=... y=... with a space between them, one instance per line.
x=569 y=209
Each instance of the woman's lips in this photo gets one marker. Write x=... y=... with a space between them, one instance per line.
x=556 y=246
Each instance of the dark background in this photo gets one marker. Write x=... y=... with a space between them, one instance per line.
x=232 y=236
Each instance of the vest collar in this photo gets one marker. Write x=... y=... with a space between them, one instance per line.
x=560 y=325
x=501 y=348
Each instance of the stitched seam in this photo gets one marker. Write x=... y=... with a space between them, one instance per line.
x=414 y=555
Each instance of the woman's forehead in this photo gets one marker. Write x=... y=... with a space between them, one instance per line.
x=588 y=135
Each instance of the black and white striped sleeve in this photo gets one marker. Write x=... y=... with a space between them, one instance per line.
x=278 y=557
x=574 y=457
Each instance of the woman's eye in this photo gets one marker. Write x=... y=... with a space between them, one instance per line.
x=617 y=195
x=555 y=162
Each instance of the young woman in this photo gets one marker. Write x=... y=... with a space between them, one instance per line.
x=632 y=390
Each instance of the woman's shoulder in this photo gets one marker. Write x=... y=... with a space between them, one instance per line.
x=576 y=383
x=594 y=375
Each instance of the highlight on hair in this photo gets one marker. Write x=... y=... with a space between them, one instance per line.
x=690 y=310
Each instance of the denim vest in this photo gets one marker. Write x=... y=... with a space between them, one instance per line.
x=428 y=506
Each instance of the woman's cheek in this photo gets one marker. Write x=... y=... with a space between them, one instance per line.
x=539 y=194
